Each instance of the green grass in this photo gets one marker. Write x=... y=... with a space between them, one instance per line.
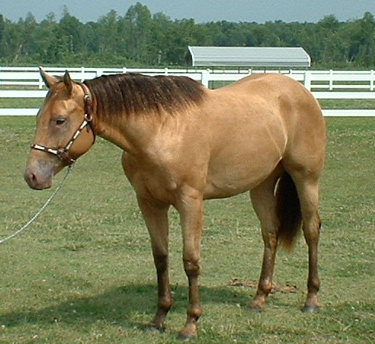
x=21 y=103
x=366 y=104
x=83 y=273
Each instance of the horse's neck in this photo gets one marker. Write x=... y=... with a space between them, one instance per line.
x=131 y=133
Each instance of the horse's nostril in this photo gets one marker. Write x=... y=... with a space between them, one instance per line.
x=31 y=178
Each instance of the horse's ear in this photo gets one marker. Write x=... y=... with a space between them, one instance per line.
x=68 y=82
x=49 y=80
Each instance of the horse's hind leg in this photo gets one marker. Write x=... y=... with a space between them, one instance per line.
x=156 y=218
x=264 y=203
x=308 y=192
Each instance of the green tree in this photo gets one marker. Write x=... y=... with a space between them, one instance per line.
x=333 y=49
x=2 y=33
x=160 y=44
x=142 y=39
x=264 y=36
x=364 y=41
x=45 y=40
x=68 y=35
x=136 y=28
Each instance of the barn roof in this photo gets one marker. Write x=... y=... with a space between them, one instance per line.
x=248 y=56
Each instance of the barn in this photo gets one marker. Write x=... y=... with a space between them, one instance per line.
x=249 y=57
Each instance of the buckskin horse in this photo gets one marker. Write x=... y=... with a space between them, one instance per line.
x=183 y=143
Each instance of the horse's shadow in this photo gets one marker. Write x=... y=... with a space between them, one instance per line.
x=117 y=306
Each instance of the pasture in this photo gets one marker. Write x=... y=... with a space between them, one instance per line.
x=83 y=273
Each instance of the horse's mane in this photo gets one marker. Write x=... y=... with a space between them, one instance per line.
x=127 y=94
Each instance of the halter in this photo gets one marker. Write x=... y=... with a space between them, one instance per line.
x=63 y=153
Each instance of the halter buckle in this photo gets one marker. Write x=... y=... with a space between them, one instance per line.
x=88 y=117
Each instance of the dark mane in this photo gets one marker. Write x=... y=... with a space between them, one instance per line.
x=135 y=93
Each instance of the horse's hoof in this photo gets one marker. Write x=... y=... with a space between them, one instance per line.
x=185 y=337
x=254 y=308
x=154 y=329
x=310 y=309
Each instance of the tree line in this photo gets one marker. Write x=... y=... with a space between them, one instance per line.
x=140 y=38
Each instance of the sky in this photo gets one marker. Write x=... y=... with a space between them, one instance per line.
x=202 y=11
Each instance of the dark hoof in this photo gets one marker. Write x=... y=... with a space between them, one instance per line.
x=255 y=309
x=310 y=309
x=154 y=329
x=186 y=337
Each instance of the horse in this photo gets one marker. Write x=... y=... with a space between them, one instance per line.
x=184 y=143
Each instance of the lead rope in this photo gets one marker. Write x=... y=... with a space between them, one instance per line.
x=29 y=223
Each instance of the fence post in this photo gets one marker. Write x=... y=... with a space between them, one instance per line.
x=331 y=80
x=99 y=72
x=41 y=83
x=307 y=80
x=372 y=74
x=82 y=74
x=205 y=77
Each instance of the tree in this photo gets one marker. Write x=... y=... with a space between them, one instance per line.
x=70 y=29
x=2 y=31
x=263 y=36
x=46 y=40
x=142 y=39
x=136 y=28
x=333 y=48
x=364 y=41
x=160 y=45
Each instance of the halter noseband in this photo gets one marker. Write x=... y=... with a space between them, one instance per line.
x=63 y=153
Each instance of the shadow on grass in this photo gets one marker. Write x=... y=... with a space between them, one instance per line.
x=125 y=306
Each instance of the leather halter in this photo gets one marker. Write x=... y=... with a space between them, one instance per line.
x=63 y=153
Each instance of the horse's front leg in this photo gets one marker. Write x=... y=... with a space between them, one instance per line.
x=190 y=208
x=156 y=218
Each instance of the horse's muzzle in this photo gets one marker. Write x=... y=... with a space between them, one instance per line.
x=36 y=182
x=39 y=175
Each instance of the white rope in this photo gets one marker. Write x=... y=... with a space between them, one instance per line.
x=27 y=225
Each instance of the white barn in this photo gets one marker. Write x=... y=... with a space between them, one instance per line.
x=275 y=57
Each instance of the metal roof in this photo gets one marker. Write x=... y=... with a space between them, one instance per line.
x=248 y=56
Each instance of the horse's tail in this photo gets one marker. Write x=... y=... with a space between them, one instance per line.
x=288 y=211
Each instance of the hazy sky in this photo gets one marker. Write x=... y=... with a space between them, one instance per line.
x=202 y=11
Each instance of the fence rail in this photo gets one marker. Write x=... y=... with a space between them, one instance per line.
x=26 y=82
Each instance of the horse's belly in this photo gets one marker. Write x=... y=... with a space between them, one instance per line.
x=233 y=180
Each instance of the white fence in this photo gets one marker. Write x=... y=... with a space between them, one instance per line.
x=23 y=82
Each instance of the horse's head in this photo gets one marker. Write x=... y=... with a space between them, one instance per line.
x=64 y=130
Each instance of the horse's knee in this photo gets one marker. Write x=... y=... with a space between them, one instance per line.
x=192 y=267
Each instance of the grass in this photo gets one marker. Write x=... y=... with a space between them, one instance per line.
x=13 y=103
x=83 y=273
x=366 y=104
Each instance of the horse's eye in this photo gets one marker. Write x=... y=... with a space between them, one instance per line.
x=60 y=120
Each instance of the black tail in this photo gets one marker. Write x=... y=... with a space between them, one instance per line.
x=288 y=211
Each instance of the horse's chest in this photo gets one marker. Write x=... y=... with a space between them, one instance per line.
x=150 y=181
